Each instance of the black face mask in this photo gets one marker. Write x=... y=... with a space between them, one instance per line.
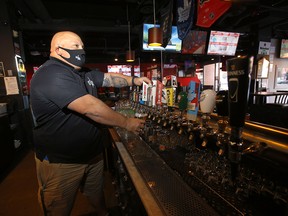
x=77 y=57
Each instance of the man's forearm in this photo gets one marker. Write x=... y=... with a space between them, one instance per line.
x=120 y=80
x=116 y=80
x=108 y=117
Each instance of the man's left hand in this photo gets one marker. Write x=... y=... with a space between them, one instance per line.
x=139 y=80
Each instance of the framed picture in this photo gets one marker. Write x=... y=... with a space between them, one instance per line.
x=281 y=77
x=2 y=71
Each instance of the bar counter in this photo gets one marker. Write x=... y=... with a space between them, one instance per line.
x=161 y=190
x=167 y=185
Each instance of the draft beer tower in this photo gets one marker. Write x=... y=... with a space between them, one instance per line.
x=238 y=71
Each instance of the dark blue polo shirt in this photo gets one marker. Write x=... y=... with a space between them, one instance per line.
x=62 y=135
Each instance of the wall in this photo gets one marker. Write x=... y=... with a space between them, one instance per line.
x=277 y=63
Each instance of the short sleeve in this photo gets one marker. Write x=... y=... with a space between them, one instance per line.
x=97 y=77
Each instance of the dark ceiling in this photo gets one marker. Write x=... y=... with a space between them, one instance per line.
x=103 y=25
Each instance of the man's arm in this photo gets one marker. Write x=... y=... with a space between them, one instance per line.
x=98 y=111
x=120 y=80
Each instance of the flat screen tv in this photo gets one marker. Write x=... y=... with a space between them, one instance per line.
x=174 y=44
x=124 y=69
x=284 y=48
x=194 y=42
x=222 y=43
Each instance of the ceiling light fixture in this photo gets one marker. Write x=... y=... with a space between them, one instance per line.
x=130 y=55
x=155 y=36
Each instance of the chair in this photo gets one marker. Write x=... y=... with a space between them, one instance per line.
x=275 y=114
x=281 y=99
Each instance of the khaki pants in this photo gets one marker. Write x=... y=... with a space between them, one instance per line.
x=59 y=184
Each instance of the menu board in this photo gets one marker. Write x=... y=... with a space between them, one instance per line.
x=223 y=43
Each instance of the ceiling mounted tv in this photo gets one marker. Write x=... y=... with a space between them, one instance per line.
x=284 y=48
x=223 y=43
x=174 y=44
x=124 y=69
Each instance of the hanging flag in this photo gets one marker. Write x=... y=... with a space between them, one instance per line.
x=208 y=11
x=166 y=22
x=194 y=42
x=185 y=12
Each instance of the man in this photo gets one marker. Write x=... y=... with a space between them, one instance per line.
x=68 y=118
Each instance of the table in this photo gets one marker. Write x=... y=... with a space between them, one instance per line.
x=261 y=97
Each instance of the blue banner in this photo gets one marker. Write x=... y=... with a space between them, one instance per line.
x=185 y=13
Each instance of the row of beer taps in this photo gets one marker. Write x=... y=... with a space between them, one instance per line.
x=174 y=120
x=201 y=136
x=210 y=101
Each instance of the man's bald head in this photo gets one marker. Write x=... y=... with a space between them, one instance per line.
x=65 y=39
x=62 y=38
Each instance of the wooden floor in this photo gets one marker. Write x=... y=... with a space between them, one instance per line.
x=18 y=190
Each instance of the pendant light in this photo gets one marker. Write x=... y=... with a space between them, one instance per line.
x=155 y=36
x=130 y=54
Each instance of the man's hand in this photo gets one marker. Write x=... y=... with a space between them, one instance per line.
x=135 y=125
x=139 y=80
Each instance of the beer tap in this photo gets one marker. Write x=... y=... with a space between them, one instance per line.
x=165 y=116
x=192 y=126
x=238 y=71
x=181 y=123
x=222 y=111
x=160 y=115
x=155 y=114
x=172 y=121
x=193 y=129
x=207 y=104
x=152 y=112
x=222 y=137
x=149 y=112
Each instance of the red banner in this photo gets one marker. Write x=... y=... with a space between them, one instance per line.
x=208 y=11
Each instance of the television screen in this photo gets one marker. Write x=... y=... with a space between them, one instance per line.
x=194 y=42
x=174 y=44
x=223 y=43
x=124 y=69
x=284 y=48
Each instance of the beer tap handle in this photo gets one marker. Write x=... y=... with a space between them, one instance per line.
x=239 y=70
x=238 y=73
x=207 y=104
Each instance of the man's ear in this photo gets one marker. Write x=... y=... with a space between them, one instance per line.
x=58 y=51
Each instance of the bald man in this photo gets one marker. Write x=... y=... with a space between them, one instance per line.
x=69 y=119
